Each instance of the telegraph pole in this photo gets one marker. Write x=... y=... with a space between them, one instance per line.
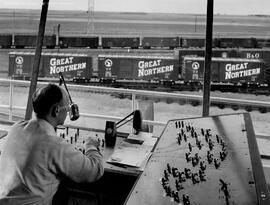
x=90 y=12
x=208 y=56
x=34 y=78
x=195 y=29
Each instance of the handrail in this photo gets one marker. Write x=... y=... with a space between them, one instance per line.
x=131 y=92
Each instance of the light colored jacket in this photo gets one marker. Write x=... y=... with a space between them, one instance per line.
x=34 y=160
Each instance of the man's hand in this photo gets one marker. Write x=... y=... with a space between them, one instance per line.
x=92 y=141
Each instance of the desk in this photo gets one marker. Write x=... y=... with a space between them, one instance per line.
x=112 y=188
x=80 y=134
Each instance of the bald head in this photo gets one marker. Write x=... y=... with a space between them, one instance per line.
x=47 y=97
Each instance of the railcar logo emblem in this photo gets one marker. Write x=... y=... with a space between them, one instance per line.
x=195 y=65
x=19 y=60
x=108 y=63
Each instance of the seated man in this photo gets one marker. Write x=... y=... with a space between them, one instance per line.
x=34 y=160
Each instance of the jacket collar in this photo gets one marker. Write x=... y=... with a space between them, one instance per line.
x=46 y=126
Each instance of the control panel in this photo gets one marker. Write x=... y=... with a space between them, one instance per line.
x=77 y=137
x=211 y=160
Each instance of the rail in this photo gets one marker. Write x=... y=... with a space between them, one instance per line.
x=133 y=93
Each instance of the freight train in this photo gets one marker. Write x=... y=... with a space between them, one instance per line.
x=135 y=42
x=242 y=68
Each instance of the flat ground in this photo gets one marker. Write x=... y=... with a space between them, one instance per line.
x=133 y=24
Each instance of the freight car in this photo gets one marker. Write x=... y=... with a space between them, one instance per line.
x=120 y=42
x=24 y=40
x=5 y=40
x=134 y=67
x=235 y=43
x=160 y=42
x=237 y=72
x=144 y=42
x=81 y=42
x=186 y=42
x=72 y=65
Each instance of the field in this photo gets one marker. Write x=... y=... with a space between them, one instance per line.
x=129 y=24
x=133 y=24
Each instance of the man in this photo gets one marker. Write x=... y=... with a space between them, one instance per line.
x=34 y=160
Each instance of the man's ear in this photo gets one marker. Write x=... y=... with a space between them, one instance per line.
x=55 y=111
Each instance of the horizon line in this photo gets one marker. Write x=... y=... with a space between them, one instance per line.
x=138 y=12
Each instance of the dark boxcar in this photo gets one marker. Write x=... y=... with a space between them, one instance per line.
x=21 y=64
x=229 y=70
x=21 y=41
x=216 y=52
x=120 y=42
x=160 y=42
x=186 y=42
x=84 y=42
x=71 y=65
x=5 y=40
x=237 y=43
x=138 y=67
x=262 y=42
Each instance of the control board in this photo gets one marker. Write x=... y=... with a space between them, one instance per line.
x=211 y=160
x=78 y=137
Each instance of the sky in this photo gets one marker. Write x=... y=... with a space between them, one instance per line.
x=235 y=7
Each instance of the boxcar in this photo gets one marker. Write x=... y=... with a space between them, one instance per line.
x=188 y=42
x=120 y=42
x=22 y=41
x=227 y=70
x=5 y=40
x=78 y=41
x=160 y=42
x=262 y=43
x=134 y=67
x=70 y=64
x=237 y=43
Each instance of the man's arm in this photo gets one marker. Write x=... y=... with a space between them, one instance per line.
x=73 y=164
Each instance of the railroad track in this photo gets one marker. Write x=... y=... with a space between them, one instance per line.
x=159 y=94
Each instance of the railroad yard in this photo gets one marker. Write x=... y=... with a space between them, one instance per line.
x=137 y=24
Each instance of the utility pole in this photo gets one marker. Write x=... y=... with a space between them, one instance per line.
x=34 y=78
x=195 y=24
x=90 y=13
x=208 y=56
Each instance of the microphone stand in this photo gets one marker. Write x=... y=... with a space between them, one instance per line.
x=63 y=80
x=124 y=119
x=74 y=109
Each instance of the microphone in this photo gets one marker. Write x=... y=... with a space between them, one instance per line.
x=74 y=113
x=137 y=121
x=74 y=108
